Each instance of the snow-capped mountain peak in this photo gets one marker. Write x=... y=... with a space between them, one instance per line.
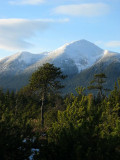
x=79 y=55
x=83 y=53
x=72 y=58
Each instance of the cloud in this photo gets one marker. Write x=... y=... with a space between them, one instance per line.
x=86 y=9
x=27 y=2
x=15 y=33
x=113 y=44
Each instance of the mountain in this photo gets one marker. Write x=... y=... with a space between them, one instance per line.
x=80 y=60
x=83 y=54
x=109 y=64
x=12 y=68
x=17 y=63
x=71 y=57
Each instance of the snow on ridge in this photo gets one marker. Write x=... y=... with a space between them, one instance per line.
x=106 y=52
x=82 y=53
x=24 y=56
x=109 y=57
x=110 y=53
x=81 y=48
x=18 y=62
x=29 y=58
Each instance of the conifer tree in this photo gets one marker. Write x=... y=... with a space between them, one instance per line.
x=44 y=81
x=98 y=83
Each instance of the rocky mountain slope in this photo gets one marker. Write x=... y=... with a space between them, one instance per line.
x=81 y=54
x=109 y=64
x=80 y=60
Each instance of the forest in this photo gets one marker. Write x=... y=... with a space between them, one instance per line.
x=40 y=123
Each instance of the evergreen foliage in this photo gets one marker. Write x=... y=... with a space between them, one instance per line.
x=98 y=83
x=44 y=81
x=76 y=127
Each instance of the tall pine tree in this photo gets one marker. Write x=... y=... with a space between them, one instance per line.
x=44 y=81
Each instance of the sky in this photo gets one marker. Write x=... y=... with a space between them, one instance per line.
x=44 y=25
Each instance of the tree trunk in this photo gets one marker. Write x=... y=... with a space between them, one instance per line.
x=42 y=110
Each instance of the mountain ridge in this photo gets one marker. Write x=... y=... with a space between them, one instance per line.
x=73 y=58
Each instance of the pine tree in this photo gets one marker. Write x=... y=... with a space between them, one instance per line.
x=44 y=81
x=98 y=84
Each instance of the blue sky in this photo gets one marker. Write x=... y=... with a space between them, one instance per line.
x=44 y=25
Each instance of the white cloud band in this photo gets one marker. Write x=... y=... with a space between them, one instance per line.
x=26 y=2
x=87 y=9
x=113 y=44
x=14 y=33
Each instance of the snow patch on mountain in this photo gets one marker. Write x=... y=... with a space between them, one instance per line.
x=19 y=61
x=109 y=57
x=71 y=57
x=83 y=53
x=25 y=57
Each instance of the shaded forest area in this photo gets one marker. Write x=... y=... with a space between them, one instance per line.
x=74 y=127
